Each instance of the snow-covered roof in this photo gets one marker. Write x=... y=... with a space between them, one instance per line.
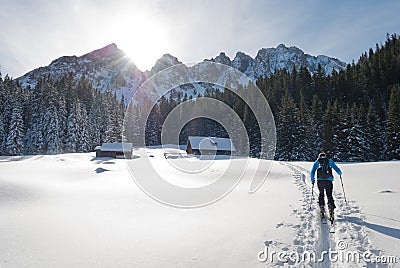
x=211 y=143
x=116 y=147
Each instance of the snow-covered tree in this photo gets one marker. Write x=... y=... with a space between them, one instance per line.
x=51 y=139
x=290 y=145
x=113 y=131
x=328 y=131
x=15 y=139
x=356 y=137
x=342 y=130
x=2 y=136
x=71 y=145
x=83 y=133
x=317 y=116
x=393 y=124
x=374 y=135
x=95 y=122
x=305 y=131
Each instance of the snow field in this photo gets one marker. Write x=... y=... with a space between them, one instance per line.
x=73 y=210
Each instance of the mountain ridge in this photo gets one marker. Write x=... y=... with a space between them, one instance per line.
x=268 y=60
x=109 y=68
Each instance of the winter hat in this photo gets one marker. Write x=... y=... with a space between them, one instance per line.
x=322 y=155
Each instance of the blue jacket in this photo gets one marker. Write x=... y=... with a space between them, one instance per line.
x=315 y=167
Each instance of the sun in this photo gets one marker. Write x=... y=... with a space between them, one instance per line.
x=142 y=38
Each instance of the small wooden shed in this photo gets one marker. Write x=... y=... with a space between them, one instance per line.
x=114 y=150
x=209 y=145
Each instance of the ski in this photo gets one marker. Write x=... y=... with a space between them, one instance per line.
x=332 y=222
x=332 y=228
x=331 y=216
x=324 y=219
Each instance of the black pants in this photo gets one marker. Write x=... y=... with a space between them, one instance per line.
x=327 y=186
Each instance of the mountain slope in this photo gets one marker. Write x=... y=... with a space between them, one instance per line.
x=109 y=68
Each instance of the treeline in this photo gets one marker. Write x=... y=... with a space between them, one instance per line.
x=202 y=126
x=56 y=117
x=352 y=114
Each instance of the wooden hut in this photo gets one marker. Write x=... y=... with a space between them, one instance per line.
x=114 y=150
x=209 y=145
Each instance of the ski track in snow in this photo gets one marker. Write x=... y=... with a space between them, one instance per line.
x=313 y=236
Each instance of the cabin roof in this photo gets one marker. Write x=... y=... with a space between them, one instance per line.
x=116 y=147
x=211 y=143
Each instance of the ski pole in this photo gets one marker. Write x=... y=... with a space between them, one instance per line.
x=312 y=195
x=344 y=193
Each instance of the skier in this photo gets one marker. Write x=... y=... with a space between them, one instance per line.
x=323 y=166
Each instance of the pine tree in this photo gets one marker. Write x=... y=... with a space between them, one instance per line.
x=328 y=130
x=305 y=131
x=344 y=127
x=83 y=134
x=9 y=98
x=114 y=128
x=95 y=121
x=2 y=136
x=355 y=138
x=15 y=139
x=72 y=128
x=31 y=119
x=337 y=126
x=317 y=124
x=152 y=134
x=113 y=132
x=85 y=93
x=365 y=143
x=393 y=124
x=49 y=121
x=51 y=139
x=321 y=84
x=288 y=145
x=2 y=130
x=374 y=136
x=62 y=120
x=132 y=130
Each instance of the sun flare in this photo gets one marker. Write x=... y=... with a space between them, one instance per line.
x=142 y=38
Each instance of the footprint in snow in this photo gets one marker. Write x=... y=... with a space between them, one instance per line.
x=100 y=170
x=386 y=191
x=268 y=242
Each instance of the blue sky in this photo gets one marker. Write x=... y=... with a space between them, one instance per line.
x=33 y=33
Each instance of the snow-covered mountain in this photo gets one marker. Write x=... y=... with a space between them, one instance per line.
x=109 y=68
x=270 y=59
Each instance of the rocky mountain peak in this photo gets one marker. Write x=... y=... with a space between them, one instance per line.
x=164 y=62
x=242 y=62
x=281 y=47
x=107 y=51
x=223 y=59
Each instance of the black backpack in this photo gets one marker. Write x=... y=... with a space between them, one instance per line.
x=324 y=170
